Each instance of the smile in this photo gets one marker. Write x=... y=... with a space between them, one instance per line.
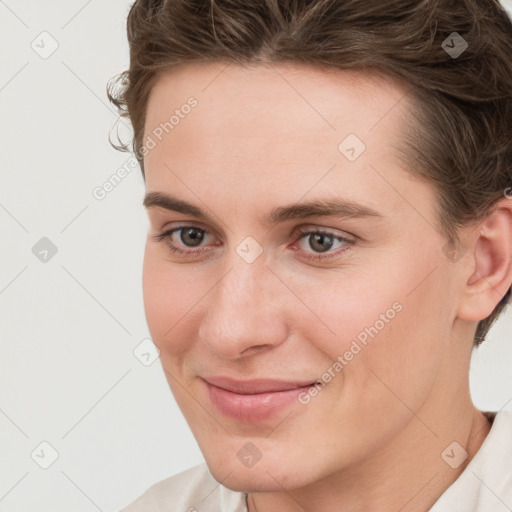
x=254 y=400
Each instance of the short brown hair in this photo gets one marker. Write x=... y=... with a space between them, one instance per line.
x=461 y=141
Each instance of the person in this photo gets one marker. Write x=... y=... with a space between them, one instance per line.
x=330 y=236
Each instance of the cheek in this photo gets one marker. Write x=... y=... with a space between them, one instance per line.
x=392 y=320
x=400 y=362
x=170 y=293
x=344 y=309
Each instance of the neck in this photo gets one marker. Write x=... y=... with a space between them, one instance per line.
x=393 y=479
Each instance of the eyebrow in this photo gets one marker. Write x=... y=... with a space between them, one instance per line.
x=335 y=207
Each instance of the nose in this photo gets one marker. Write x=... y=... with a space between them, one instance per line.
x=245 y=311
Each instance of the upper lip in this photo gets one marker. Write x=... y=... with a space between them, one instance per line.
x=254 y=386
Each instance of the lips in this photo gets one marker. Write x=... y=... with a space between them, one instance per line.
x=256 y=386
x=253 y=400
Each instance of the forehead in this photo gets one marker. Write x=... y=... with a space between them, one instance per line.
x=268 y=129
x=328 y=98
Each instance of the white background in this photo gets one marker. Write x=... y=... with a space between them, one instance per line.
x=68 y=375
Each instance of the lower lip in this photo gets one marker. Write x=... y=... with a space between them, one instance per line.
x=252 y=408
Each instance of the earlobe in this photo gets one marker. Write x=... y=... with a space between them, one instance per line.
x=492 y=257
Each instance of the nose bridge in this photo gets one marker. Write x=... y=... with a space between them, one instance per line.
x=244 y=282
x=239 y=313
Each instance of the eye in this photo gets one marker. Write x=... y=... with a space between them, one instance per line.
x=190 y=236
x=315 y=244
x=184 y=236
x=322 y=242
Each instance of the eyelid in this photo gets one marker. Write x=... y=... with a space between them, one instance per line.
x=315 y=228
x=331 y=255
x=298 y=233
x=167 y=233
x=167 y=226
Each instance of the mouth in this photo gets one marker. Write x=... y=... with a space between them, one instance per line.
x=253 y=400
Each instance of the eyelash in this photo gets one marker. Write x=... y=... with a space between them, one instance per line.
x=300 y=233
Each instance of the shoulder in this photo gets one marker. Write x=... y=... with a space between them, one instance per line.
x=495 y=463
x=486 y=482
x=193 y=490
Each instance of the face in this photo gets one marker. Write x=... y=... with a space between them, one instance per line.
x=293 y=279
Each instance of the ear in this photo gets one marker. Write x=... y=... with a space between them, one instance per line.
x=491 y=252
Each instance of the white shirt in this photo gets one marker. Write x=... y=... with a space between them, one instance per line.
x=485 y=485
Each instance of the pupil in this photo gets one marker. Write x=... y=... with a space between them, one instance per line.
x=191 y=236
x=317 y=240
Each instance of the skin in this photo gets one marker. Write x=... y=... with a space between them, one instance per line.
x=262 y=137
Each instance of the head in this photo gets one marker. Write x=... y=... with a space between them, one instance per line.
x=355 y=106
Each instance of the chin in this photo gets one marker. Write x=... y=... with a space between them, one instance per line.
x=269 y=475
x=249 y=480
